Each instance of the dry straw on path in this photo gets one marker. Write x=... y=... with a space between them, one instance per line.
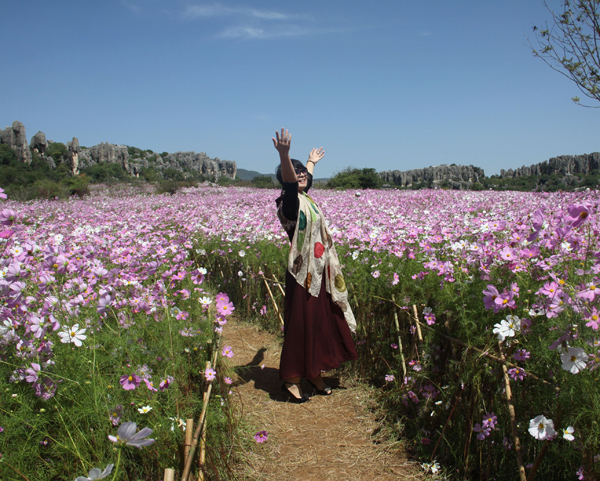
x=330 y=437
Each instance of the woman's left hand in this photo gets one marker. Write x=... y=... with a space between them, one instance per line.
x=316 y=155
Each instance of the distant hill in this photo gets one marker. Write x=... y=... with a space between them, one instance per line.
x=244 y=174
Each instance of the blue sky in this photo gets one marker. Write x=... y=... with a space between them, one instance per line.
x=384 y=84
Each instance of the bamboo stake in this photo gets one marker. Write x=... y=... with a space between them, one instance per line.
x=399 y=338
x=202 y=457
x=199 y=427
x=279 y=285
x=273 y=300
x=417 y=323
x=513 y=417
x=169 y=474
x=189 y=430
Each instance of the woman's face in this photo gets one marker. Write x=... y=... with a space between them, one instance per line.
x=302 y=176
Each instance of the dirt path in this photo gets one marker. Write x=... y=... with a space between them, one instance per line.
x=326 y=438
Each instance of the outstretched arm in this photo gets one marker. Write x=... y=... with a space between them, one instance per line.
x=282 y=144
x=314 y=156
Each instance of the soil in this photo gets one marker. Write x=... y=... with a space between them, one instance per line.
x=328 y=438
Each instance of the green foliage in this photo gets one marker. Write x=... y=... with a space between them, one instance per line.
x=355 y=179
x=57 y=151
x=105 y=171
x=77 y=185
x=173 y=174
x=263 y=182
x=7 y=155
x=172 y=186
x=570 y=45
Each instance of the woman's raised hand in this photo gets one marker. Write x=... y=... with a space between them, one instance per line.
x=283 y=141
x=316 y=155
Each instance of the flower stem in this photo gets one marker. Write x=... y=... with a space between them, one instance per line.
x=116 y=471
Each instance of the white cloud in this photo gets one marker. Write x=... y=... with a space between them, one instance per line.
x=250 y=32
x=218 y=10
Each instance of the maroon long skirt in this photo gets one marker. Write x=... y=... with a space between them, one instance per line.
x=316 y=335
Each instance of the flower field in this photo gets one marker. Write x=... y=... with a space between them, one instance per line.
x=477 y=319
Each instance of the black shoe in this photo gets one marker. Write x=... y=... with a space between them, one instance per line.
x=297 y=400
x=326 y=391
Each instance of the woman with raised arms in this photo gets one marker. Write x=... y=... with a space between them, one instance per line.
x=317 y=317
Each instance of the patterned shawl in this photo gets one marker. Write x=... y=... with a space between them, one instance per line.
x=313 y=254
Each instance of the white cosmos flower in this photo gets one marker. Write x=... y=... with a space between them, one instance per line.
x=145 y=409
x=205 y=301
x=72 y=334
x=355 y=255
x=541 y=428
x=242 y=253
x=507 y=327
x=574 y=360
x=96 y=473
x=202 y=270
x=568 y=433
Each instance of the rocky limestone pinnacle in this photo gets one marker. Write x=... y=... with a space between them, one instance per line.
x=16 y=139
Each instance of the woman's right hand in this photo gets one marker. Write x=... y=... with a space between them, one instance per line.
x=282 y=142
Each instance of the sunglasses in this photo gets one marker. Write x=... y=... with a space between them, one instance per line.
x=301 y=171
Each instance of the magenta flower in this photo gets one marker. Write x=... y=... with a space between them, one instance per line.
x=263 y=310
x=115 y=414
x=2 y=196
x=389 y=377
x=482 y=431
x=130 y=382
x=517 y=374
x=165 y=383
x=261 y=436
x=489 y=420
x=505 y=300
x=228 y=380
x=521 y=355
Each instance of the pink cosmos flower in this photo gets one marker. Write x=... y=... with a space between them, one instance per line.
x=593 y=318
x=396 y=279
x=165 y=383
x=225 y=308
x=263 y=310
x=228 y=380
x=521 y=355
x=517 y=374
x=261 y=436
x=505 y=300
x=578 y=214
x=227 y=352
x=483 y=432
x=375 y=274
x=221 y=296
x=130 y=382
x=2 y=196
x=210 y=374
x=489 y=420
x=491 y=294
x=150 y=385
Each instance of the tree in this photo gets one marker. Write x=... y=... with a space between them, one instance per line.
x=570 y=45
x=350 y=178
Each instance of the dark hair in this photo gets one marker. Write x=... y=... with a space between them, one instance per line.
x=296 y=164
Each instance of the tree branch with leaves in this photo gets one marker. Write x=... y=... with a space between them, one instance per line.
x=570 y=45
